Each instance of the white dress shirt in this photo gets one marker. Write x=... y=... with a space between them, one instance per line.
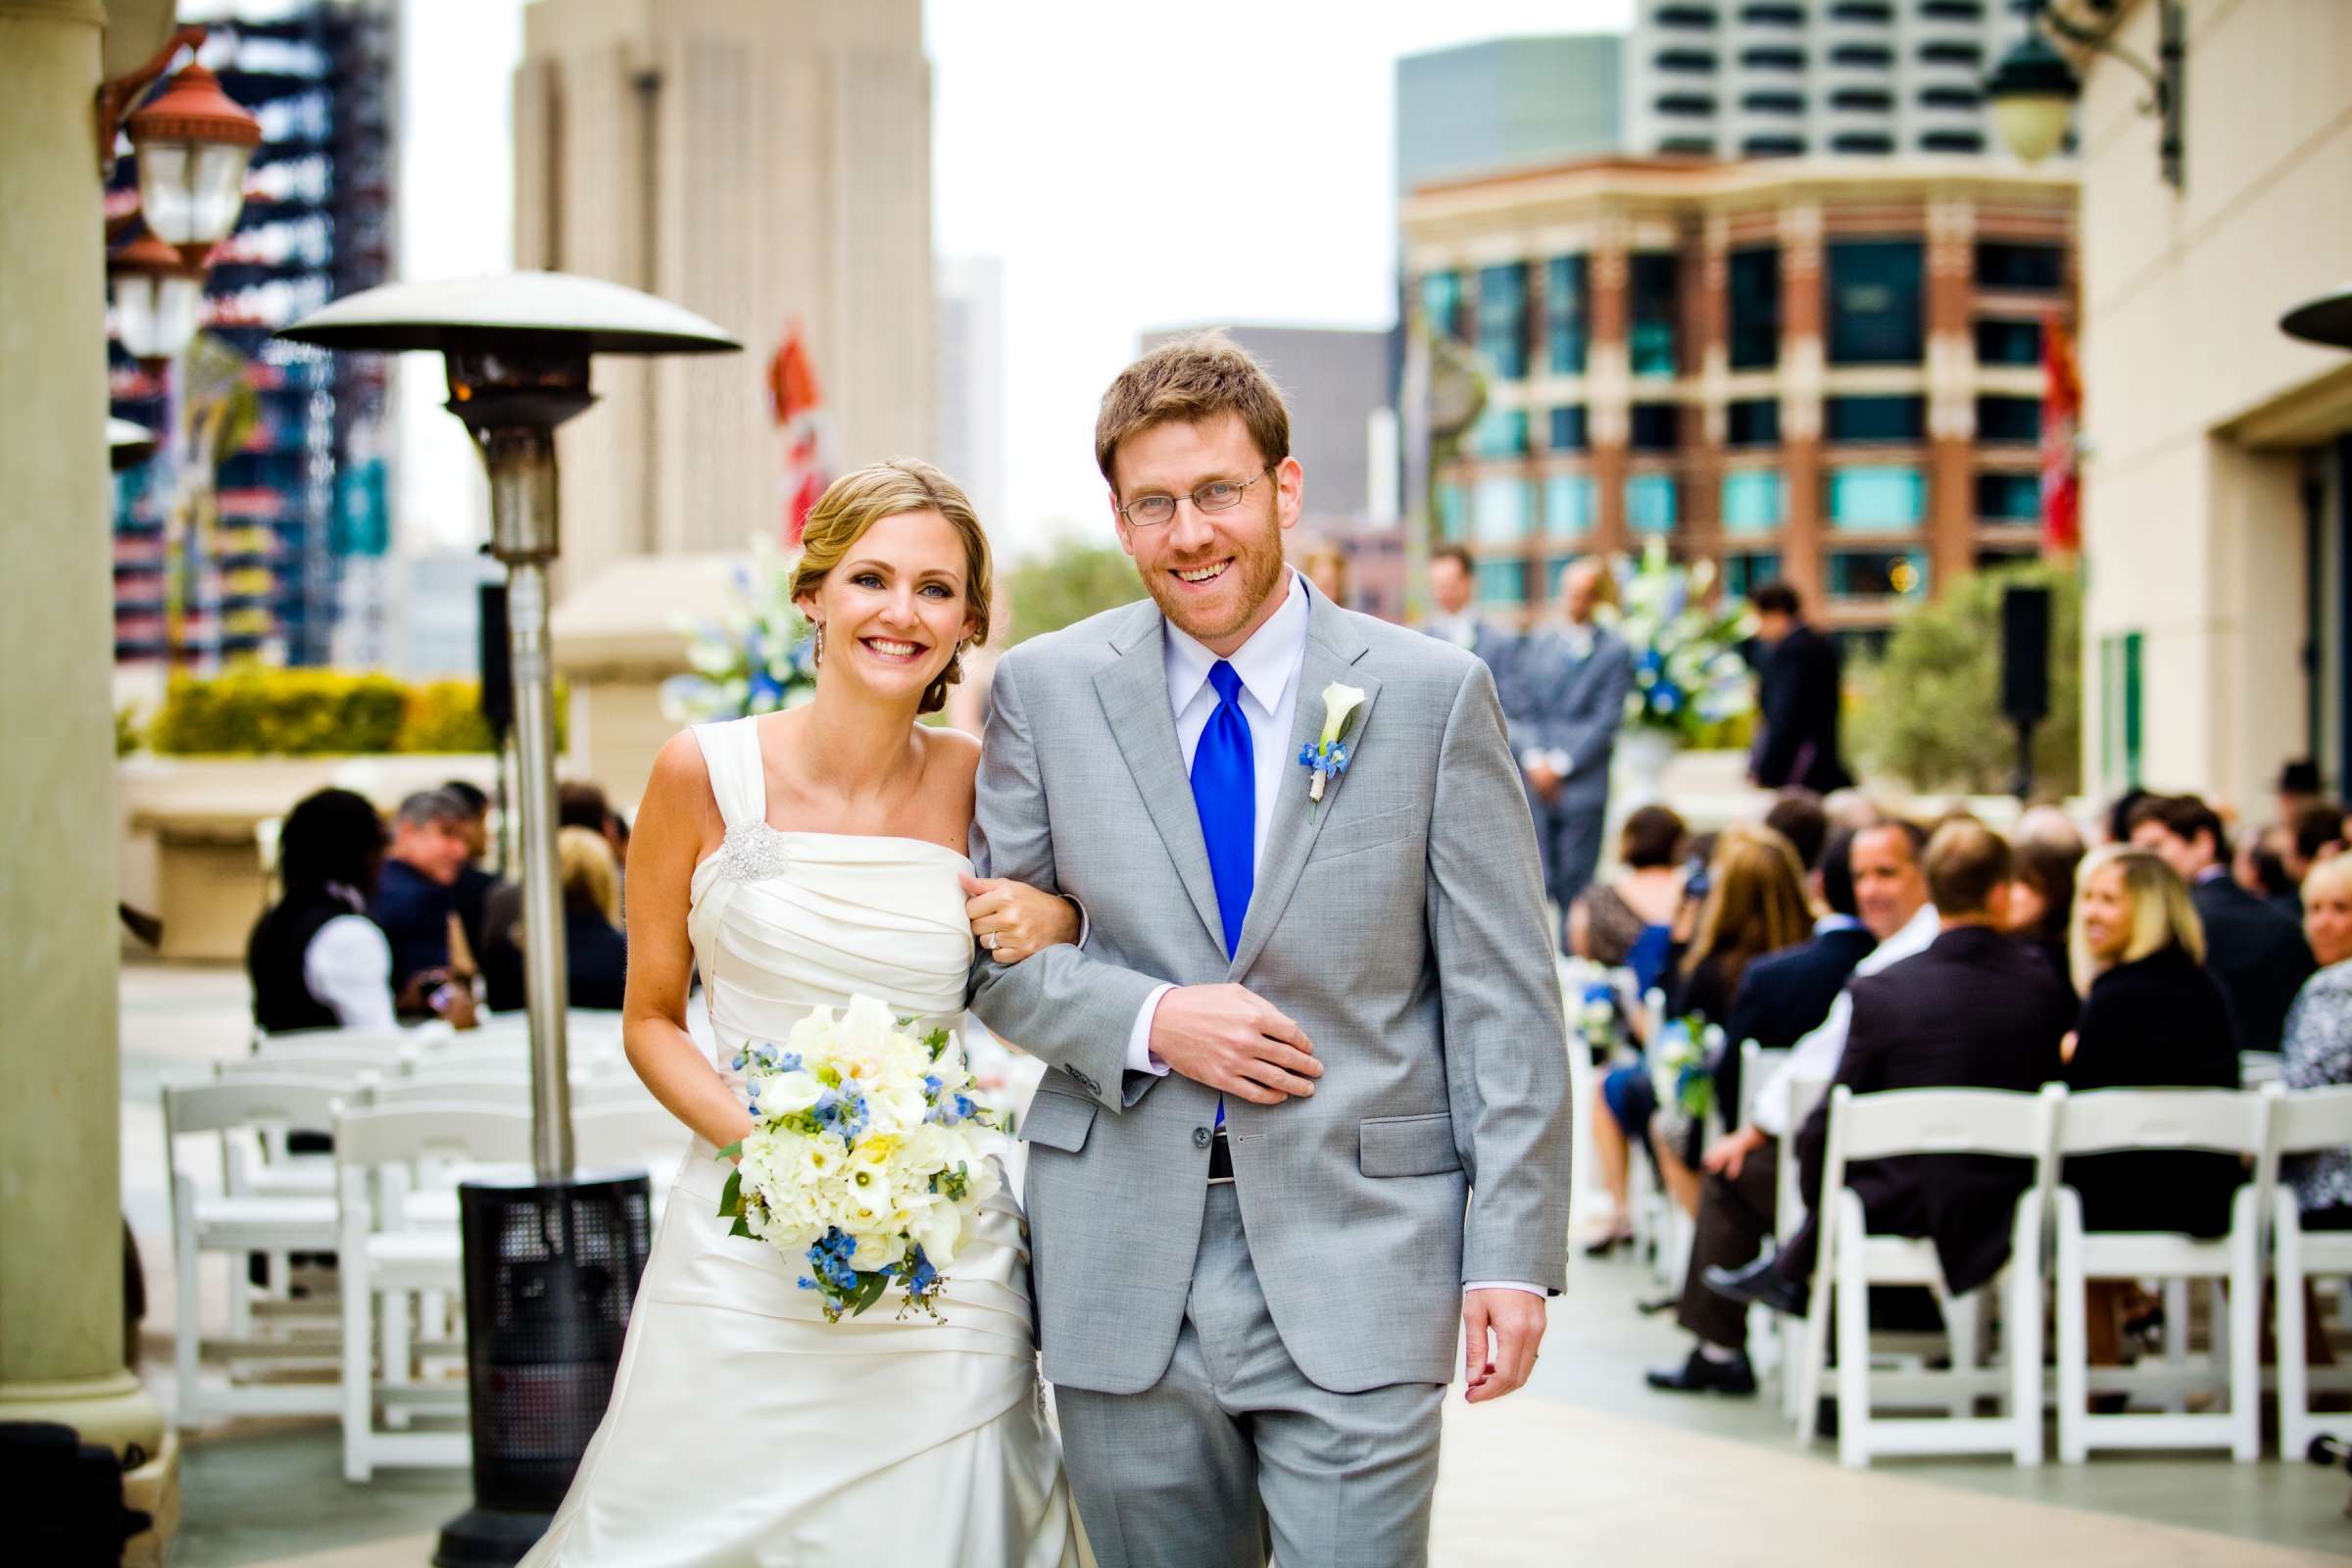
x=1816 y=1055
x=348 y=967
x=1460 y=630
x=1270 y=666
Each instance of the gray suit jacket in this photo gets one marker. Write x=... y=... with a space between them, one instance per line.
x=1572 y=705
x=1400 y=925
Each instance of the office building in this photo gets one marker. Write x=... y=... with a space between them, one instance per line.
x=971 y=379
x=1494 y=105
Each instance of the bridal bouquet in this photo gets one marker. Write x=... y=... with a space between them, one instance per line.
x=866 y=1159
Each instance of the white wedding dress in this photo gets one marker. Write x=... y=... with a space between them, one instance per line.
x=744 y=1429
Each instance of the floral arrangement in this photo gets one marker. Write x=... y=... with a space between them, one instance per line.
x=1688 y=670
x=1594 y=1013
x=1681 y=1066
x=866 y=1155
x=755 y=657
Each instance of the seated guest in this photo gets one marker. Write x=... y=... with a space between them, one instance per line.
x=2255 y=952
x=414 y=899
x=1755 y=904
x=1974 y=1011
x=578 y=804
x=1798 y=816
x=595 y=958
x=470 y=892
x=1627 y=921
x=2041 y=895
x=2152 y=1019
x=2319 y=1041
x=316 y=958
x=2313 y=834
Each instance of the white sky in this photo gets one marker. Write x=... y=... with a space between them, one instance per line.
x=1089 y=143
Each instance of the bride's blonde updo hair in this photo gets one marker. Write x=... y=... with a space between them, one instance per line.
x=863 y=496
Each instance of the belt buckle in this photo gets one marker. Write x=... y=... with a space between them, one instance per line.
x=1220 y=1154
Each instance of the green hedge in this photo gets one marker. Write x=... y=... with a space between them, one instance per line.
x=315 y=712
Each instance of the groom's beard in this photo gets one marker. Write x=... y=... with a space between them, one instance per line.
x=1257 y=563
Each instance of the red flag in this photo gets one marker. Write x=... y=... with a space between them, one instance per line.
x=2061 y=419
x=799 y=409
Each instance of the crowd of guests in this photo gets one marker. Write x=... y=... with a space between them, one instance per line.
x=1885 y=953
x=378 y=924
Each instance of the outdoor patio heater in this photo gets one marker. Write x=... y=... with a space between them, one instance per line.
x=552 y=1264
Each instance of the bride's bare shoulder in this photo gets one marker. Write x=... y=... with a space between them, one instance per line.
x=680 y=780
x=952 y=754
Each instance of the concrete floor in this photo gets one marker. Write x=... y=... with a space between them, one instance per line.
x=1586 y=1462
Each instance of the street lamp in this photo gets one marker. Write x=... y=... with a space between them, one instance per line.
x=2033 y=89
x=128 y=445
x=550 y=1266
x=193 y=142
x=158 y=293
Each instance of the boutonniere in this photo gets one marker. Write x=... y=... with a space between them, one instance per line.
x=1327 y=759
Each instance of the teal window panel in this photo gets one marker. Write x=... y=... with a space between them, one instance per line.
x=1876 y=498
x=1754 y=500
x=1649 y=503
x=1569 y=505
x=1502 y=582
x=1503 y=319
x=1502 y=511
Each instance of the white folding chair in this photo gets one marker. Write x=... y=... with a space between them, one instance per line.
x=390 y=1267
x=1797 y=1352
x=2109 y=1120
x=2258 y=1068
x=1933 y=1121
x=2305 y=1121
x=237 y=1222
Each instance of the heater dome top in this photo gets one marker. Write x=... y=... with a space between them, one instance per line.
x=431 y=316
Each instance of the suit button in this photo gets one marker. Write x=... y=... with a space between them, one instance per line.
x=1201 y=1137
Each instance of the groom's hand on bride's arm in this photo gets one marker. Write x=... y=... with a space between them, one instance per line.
x=1514 y=1320
x=1236 y=1042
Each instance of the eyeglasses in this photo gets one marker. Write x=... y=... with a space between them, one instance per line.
x=1218 y=495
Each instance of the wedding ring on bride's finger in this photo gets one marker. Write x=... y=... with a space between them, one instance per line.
x=988 y=940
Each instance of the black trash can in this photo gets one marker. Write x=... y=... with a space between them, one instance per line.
x=551 y=1271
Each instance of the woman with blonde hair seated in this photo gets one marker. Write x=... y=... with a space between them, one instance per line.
x=596 y=957
x=2152 y=1017
x=2318 y=1045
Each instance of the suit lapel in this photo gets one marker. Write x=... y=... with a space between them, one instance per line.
x=1134 y=692
x=1333 y=648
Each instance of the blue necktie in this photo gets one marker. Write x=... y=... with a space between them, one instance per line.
x=1225 y=794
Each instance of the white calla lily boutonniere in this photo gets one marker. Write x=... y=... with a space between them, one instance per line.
x=1327 y=759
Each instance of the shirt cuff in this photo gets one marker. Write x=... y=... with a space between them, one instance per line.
x=1505 y=1285
x=1086 y=922
x=1139 y=1039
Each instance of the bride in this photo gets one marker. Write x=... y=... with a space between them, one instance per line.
x=797 y=860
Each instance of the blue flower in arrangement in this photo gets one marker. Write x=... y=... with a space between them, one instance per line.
x=756 y=657
x=1685 y=644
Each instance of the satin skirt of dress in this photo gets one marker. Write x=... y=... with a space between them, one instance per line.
x=746 y=1430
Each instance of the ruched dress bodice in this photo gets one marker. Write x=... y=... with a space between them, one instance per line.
x=745 y=1429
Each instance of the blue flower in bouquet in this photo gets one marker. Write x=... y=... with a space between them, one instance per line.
x=754 y=658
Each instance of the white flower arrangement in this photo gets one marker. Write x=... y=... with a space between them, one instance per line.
x=755 y=657
x=1688 y=670
x=867 y=1159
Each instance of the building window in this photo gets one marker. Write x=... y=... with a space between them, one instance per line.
x=1501 y=434
x=1774 y=103
x=1948 y=97
x=2008 y=342
x=1875 y=302
x=1567 y=301
x=2031 y=268
x=1686 y=105
x=1649 y=503
x=1569 y=432
x=1950 y=52
x=2009 y=497
x=1868 y=54
x=1875 y=419
x=1774 y=15
x=1653 y=286
x=1952 y=10
x=1689 y=146
x=1875 y=100
x=2009 y=421
x=1569 y=505
x=1754 y=500
x=1694 y=19
x=1747 y=570
x=1773 y=147
x=1441 y=303
x=1685 y=62
x=1951 y=141
x=1880 y=11
x=1878 y=574
x=1877 y=498
x=1503 y=319
x=1772 y=59
x=1753 y=282
x=1874 y=143
x=1656 y=427
x=1453 y=516
x=1502 y=511
x=1502 y=582
x=1753 y=423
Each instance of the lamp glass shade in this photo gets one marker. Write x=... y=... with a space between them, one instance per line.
x=155 y=313
x=2032 y=127
x=190 y=192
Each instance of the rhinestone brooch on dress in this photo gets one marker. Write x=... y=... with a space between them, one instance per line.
x=751 y=850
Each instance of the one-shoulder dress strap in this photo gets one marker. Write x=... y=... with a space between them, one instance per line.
x=738 y=778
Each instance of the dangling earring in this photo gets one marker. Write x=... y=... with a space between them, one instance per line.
x=816 y=654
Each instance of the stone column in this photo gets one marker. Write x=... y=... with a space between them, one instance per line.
x=61 y=1237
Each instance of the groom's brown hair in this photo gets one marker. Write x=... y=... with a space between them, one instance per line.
x=1190 y=380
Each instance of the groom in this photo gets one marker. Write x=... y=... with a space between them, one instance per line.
x=1308 y=1115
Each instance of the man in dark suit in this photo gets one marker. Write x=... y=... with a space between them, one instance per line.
x=1781 y=998
x=1573 y=678
x=1799 y=679
x=414 y=897
x=2257 y=953
x=1976 y=1010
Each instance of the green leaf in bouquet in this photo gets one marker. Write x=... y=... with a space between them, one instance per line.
x=869 y=1291
x=730 y=1197
x=733 y=1150
x=739 y=1228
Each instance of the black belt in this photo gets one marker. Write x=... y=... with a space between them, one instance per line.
x=1220 y=1158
